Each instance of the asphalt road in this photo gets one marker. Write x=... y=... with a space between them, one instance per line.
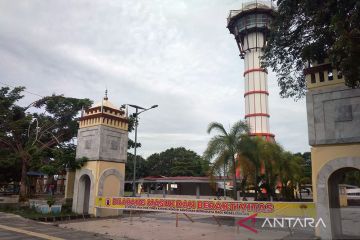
x=13 y=227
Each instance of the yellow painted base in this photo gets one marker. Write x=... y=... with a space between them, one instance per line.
x=105 y=183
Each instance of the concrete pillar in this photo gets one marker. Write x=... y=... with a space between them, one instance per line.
x=139 y=187
x=69 y=184
x=164 y=190
x=334 y=204
x=198 y=190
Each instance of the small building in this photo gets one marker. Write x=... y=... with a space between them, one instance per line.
x=183 y=185
x=102 y=139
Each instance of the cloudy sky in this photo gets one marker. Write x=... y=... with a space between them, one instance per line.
x=177 y=54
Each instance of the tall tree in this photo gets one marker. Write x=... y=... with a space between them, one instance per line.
x=10 y=166
x=249 y=151
x=141 y=167
x=269 y=166
x=289 y=170
x=59 y=159
x=304 y=31
x=247 y=172
x=224 y=146
x=177 y=162
x=270 y=153
x=29 y=135
x=306 y=166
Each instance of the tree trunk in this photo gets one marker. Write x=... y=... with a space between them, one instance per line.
x=23 y=178
x=255 y=184
x=243 y=184
x=269 y=190
x=234 y=180
x=283 y=190
x=255 y=188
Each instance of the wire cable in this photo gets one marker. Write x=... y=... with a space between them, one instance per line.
x=8 y=85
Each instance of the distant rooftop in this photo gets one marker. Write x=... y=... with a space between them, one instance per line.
x=181 y=179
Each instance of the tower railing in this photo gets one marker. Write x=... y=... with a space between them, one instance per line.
x=251 y=5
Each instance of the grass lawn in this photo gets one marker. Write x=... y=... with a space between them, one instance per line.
x=27 y=212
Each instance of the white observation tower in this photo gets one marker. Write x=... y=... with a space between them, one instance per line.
x=250 y=26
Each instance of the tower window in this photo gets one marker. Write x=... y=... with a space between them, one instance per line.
x=330 y=74
x=313 y=79
x=321 y=74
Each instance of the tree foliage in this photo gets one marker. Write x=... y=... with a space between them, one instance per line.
x=271 y=168
x=32 y=138
x=223 y=147
x=352 y=177
x=63 y=158
x=171 y=162
x=177 y=162
x=249 y=153
x=262 y=164
x=131 y=127
x=305 y=31
x=306 y=164
x=141 y=167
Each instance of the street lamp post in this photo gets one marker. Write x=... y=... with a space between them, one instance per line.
x=136 y=114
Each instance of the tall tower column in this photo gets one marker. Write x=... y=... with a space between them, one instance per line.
x=250 y=26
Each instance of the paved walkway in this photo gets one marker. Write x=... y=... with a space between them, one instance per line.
x=13 y=227
x=162 y=226
x=158 y=226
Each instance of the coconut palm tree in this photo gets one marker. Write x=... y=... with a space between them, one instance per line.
x=223 y=147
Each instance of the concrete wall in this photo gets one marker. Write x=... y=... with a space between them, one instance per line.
x=107 y=178
x=102 y=143
x=333 y=115
x=333 y=123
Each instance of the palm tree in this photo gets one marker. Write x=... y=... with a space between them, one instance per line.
x=249 y=151
x=289 y=171
x=247 y=172
x=270 y=153
x=222 y=148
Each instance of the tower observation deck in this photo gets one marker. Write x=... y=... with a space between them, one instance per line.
x=250 y=26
